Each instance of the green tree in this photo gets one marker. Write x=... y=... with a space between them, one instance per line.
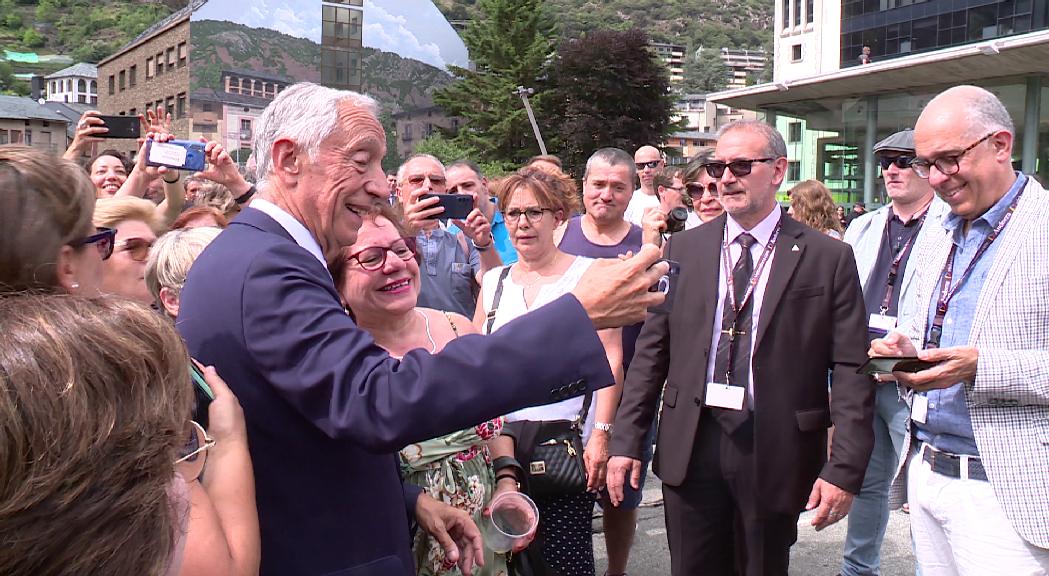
x=33 y=39
x=705 y=72
x=509 y=43
x=448 y=151
x=608 y=89
x=46 y=11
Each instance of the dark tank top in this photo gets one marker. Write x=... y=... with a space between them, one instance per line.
x=574 y=242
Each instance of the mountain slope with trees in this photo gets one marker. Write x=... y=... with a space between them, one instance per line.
x=709 y=23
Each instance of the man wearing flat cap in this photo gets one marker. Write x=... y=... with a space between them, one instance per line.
x=882 y=241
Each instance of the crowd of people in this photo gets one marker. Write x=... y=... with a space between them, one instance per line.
x=304 y=368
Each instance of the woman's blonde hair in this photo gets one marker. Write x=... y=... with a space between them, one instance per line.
x=813 y=206
x=109 y=212
x=172 y=255
x=219 y=197
x=94 y=402
x=45 y=203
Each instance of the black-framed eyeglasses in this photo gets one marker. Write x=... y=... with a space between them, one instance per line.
x=649 y=164
x=901 y=162
x=738 y=167
x=696 y=190
x=103 y=239
x=947 y=165
x=373 y=258
x=137 y=248
x=534 y=214
x=194 y=453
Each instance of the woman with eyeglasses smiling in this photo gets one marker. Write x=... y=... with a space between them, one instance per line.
x=47 y=240
x=534 y=204
x=124 y=273
x=378 y=278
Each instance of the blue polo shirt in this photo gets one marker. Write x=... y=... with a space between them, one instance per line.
x=948 y=426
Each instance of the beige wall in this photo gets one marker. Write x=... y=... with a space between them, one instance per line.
x=165 y=87
x=51 y=137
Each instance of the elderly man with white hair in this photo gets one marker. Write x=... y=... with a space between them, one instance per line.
x=326 y=409
x=975 y=467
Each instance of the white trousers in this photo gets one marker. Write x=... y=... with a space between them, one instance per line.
x=959 y=529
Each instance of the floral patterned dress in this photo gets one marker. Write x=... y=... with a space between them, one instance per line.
x=457 y=470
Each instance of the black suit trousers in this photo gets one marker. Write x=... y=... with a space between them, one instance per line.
x=715 y=525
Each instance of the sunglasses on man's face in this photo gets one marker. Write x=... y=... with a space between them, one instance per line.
x=137 y=248
x=901 y=162
x=738 y=168
x=652 y=164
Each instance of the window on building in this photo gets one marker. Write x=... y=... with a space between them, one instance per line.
x=81 y=85
x=183 y=54
x=207 y=107
x=151 y=69
x=28 y=138
x=169 y=105
x=339 y=67
x=810 y=7
x=16 y=136
x=112 y=84
x=795 y=53
x=132 y=76
x=171 y=58
x=340 y=27
x=793 y=170
x=4 y=138
x=160 y=63
x=786 y=13
x=797 y=12
x=123 y=80
x=69 y=85
x=794 y=132
x=406 y=134
x=180 y=105
x=133 y=112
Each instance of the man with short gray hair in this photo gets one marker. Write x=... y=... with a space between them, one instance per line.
x=326 y=409
x=763 y=308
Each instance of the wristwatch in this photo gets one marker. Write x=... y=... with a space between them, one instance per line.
x=603 y=426
x=486 y=246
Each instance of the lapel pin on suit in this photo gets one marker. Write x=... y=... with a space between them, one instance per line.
x=795 y=248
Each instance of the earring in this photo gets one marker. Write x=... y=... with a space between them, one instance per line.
x=74 y=285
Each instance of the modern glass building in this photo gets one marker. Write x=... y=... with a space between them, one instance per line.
x=832 y=110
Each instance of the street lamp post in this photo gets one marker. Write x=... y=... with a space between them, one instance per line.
x=524 y=93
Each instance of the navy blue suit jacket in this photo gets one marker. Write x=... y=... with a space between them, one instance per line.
x=327 y=409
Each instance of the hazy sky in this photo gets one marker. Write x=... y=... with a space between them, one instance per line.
x=412 y=28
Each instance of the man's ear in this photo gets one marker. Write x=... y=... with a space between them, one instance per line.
x=286 y=156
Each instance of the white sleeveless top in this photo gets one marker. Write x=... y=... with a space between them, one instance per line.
x=511 y=306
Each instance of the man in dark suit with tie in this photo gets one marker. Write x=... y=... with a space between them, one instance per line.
x=763 y=308
x=326 y=409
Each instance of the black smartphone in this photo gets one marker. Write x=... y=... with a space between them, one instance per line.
x=456 y=206
x=202 y=394
x=890 y=364
x=122 y=126
x=178 y=154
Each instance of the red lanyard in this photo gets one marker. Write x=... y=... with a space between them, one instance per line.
x=894 y=268
x=948 y=290
x=726 y=258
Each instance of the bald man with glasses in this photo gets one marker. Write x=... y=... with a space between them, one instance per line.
x=763 y=308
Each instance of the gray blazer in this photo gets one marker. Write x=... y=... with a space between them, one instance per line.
x=1009 y=400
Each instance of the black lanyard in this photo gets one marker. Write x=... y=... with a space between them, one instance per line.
x=894 y=268
x=948 y=290
x=755 y=276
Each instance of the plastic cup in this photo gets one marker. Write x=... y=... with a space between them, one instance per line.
x=513 y=517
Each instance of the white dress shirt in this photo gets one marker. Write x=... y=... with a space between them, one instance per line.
x=762 y=233
x=298 y=232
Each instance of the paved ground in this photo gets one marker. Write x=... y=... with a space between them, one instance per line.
x=815 y=554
